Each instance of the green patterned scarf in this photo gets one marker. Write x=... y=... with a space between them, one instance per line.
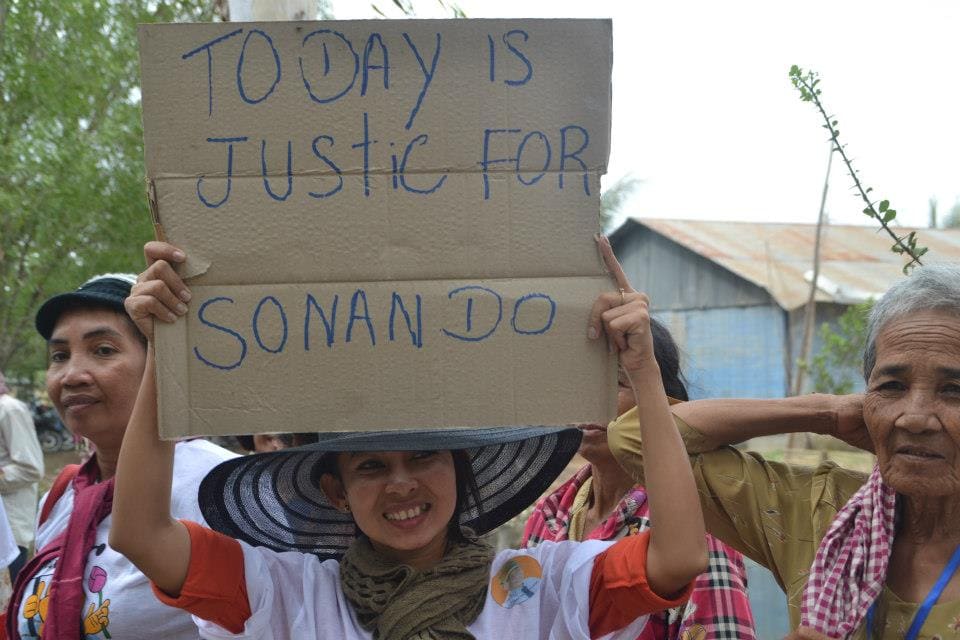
x=396 y=602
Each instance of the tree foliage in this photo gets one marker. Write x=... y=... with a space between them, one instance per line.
x=837 y=364
x=71 y=186
x=613 y=198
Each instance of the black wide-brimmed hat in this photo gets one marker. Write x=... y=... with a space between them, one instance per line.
x=107 y=291
x=274 y=499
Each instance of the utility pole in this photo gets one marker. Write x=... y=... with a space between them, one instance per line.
x=810 y=310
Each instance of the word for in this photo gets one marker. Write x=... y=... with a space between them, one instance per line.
x=330 y=67
x=269 y=325
x=512 y=147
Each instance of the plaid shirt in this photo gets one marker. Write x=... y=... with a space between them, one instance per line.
x=718 y=608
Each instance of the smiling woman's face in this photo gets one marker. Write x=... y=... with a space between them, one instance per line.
x=402 y=500
x=912 y=404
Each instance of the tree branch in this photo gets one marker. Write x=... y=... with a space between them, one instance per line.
x=806 y=84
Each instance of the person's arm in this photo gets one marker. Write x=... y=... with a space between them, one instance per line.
x=142 y=528
x=727 y=421
x=677 y=551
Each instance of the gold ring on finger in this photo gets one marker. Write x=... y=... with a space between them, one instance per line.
x=623 y=299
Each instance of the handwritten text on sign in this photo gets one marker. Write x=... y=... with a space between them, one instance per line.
x=268 y=325
x=329 y=68
x=387 y=223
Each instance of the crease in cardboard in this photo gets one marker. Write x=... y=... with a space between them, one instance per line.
x=413 y=281
x=219 y=175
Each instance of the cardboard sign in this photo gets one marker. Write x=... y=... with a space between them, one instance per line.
x=389 y=224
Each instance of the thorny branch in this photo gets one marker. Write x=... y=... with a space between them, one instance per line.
x=806 y=83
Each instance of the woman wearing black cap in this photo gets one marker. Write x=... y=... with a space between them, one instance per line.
x=396 y=515
x=77 y=586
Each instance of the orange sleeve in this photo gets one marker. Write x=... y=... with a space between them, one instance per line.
x=619 y=593
x=215 y=588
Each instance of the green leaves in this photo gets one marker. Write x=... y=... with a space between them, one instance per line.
x=71 y=186
x=805 y=82
x=836 y=365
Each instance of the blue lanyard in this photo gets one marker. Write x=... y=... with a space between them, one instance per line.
x=921 y=615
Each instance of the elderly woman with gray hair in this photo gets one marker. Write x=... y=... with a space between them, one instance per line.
x=859 y=556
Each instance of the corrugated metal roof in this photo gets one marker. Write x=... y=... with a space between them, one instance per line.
x=856 y=261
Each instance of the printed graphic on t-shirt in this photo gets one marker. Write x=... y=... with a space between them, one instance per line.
x=516 y=581
x=34 y=610
x=95 y=614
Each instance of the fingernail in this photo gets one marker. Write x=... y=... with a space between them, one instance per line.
x=170 y=317
x=181 y=308
x=592 y=333
x=179 y=255
x=185 y=295
x=596 y=237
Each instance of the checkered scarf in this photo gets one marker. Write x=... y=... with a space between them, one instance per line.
x=550 y=519
x=850 y=567
x=718 y=608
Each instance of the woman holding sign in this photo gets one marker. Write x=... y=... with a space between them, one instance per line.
x=77 y=585
x=396 y=515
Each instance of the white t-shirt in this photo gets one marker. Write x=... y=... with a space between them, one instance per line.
x=119 y=600
x=21 y=464
x=297 y=597
x=8 y=546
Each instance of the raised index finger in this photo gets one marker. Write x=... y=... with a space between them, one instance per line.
x=612 y=264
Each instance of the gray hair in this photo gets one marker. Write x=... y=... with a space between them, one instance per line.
x=935 y=286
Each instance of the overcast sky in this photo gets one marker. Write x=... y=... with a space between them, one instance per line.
x=704 y=113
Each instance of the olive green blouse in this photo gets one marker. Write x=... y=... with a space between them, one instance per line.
x=776 y=514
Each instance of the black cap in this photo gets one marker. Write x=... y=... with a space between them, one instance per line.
x=107 y=291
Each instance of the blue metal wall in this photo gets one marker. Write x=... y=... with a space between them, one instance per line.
x=732 y=352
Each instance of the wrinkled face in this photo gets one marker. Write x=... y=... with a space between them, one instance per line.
x=912 y=404
x=402 y=500
x=95 y=362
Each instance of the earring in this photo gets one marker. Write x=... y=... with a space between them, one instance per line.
x=346 y=507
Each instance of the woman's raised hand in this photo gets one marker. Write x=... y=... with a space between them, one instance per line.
x=159 y=292
x=623 y=316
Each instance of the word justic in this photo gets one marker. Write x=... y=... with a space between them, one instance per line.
x=573 y=140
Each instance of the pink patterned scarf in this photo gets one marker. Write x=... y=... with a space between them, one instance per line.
x=850 y=568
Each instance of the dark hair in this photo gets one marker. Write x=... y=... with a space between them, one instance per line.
x=287 y=439
x=468 y=493
x=668 y=358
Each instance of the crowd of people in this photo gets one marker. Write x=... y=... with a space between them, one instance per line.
x=381 y=534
